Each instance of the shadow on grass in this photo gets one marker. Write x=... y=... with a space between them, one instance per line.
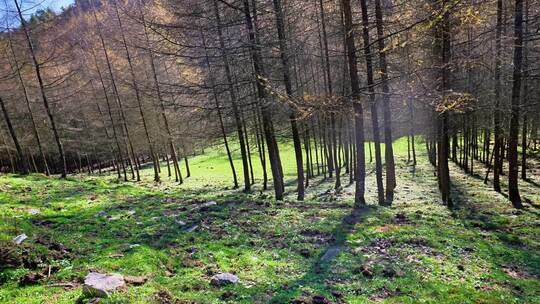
x=476 y=216
x=320 y=268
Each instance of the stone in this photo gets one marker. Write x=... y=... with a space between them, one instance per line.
x=102 y=214
x=20 y=238
x=224 y=278
x=179 y=222
x=34 y=211
x=134 y=246
x=100 y=285
x=208 y=205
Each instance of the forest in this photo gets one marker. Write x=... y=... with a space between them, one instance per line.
x=270 y=151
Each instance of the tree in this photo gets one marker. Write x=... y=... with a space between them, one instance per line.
x=21 y=161
x=37 y=69
x=513 y=190
x=358 y=109
x=278 y=10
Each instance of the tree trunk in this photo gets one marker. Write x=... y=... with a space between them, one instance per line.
x=172 y=149
x=358 y=110
x=273 y=151
x=27 y=101
x=129 y=144
x=37 y=68
x=278 y=10
x=234 y=100
x=513 y=190
x=442 y=52
x=153 y=154
x=497 y=157
x=388 y=141
x=373 y=102
x=21 y=162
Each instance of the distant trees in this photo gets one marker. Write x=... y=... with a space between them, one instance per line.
x=123 y=83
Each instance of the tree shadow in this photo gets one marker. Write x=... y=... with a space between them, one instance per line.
x=317 y=273
x=477 y=215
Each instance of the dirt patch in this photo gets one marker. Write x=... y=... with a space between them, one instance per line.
x=517 y=273
x=317 y=237
x=42 y=252
x=386 y=228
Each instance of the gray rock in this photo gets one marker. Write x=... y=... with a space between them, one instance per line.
x=208 y=204
x=134 y=246
x=102 y=214
x=100 y=285
x=179 y=222
x=224 y=278
x=20 y=238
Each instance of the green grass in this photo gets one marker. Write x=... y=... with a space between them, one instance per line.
x=417 y=251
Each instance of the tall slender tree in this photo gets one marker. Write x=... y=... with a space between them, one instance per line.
x=41 y=85
x=513 y=167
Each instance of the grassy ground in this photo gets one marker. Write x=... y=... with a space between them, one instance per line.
x=417 y=251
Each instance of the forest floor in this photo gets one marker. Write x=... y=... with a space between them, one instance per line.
x=318 y=251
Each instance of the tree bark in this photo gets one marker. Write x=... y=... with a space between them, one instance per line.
x=513 y=190
x=373 y=102
x=358 y=109
x=388 y=141
x=278 y=10
x=260 y=76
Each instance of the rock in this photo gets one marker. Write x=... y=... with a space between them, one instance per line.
x=135 y=280
x=34 y=211
x=100 y=285
x=102 y=214
x=224 y=278
x=207 y=205
x=20 y=238
x=131 y=246
x=179 y=222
